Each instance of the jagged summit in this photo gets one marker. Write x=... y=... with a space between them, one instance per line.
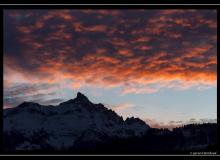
x=81 y=97
x=79 y=123
x=70 y=122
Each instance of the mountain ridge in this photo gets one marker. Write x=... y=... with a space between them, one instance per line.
x=74 y=116
x=78 y=125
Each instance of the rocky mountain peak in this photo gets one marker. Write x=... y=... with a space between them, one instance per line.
x=69 y=121
x=81 y=97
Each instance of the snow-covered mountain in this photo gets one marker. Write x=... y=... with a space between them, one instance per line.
x=78 y=120
x=80 y=126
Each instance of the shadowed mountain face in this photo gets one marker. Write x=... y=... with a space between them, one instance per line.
x=80 y=126
x=68 y=123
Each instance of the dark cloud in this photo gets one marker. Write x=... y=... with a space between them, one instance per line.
x=12 y=101
x=25 y=88
x=18 y=93
x=130 y=48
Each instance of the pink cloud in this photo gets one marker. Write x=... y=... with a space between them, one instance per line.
x=137 y=57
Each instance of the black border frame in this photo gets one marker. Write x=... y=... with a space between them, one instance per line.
x=114 y=2
x=94 y=6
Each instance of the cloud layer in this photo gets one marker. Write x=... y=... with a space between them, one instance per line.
x=140 y=51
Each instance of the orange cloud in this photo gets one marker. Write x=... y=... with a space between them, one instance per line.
x=134 y=50
x=24 y=29
x=125 y=52
x=97 y=28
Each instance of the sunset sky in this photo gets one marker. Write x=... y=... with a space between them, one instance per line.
x=159 y=65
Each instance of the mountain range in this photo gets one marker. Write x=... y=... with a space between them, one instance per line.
x=80 y=126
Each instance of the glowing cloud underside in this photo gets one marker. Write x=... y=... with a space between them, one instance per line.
x=138 y=51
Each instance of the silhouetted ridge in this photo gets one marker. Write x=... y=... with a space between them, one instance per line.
x=78 y=125
x=81 y=97
x=28 y=104
x=131 y=120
